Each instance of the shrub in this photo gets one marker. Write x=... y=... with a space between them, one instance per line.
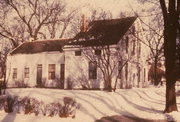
x=65 y=108
x=44 y=108
x=18 y=105
x=69 y=108
x=2 y=101
x=9 y=104
x=53 y=108
x=21 y=84
x=69 y=83
x=30 y=105
x=84 y=82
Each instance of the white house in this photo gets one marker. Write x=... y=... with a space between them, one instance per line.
x=64 y=63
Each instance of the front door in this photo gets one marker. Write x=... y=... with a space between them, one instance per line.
x=39 y=75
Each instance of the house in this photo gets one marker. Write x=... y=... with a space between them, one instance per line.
x=67 y=63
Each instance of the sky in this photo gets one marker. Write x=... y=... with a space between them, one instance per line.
x=114 y=6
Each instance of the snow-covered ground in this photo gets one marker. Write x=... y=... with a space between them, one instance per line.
x=147 y=103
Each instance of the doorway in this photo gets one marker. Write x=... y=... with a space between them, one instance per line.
x=39 y=75
x=62 y=74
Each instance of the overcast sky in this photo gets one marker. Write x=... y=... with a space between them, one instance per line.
x=114 y=6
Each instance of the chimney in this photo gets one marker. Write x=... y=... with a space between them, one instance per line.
x=84 y=23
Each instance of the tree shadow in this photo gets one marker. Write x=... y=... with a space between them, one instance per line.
x=9 y=117
x=123 y=118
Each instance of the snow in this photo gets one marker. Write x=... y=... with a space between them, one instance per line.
x=146 y=103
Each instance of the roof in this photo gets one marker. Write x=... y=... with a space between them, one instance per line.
x=101 y=32
x=40 y=46
x=104 y=32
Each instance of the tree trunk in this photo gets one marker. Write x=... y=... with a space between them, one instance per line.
x=108 y=84
x=170 y=95
x=156 y=82
x=170 y=32
x=169 y=51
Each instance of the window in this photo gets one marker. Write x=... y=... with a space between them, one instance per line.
x=92 y=70
x=78 y=53
x=127 y=43
x=133 y=30
x=51 y=74
x=134 y=46
x=62 y=71
x=14 y=73
x=139 y=51
x=139 y=73
x=126 y=71
x=97 y=52
x=119 y=69
x=26 y=72
x=144 y=75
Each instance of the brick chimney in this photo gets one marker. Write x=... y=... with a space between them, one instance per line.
x=84 y=23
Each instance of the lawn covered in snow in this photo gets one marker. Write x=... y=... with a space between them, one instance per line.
x=146 y=103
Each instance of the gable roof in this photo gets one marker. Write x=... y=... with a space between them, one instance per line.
x=40 y=46
x=104 y=32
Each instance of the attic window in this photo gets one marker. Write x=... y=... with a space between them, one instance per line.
x=78 y=53
x=97 y=52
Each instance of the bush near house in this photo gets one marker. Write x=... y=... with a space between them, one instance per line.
x=65 y=108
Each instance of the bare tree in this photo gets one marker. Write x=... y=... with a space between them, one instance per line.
x=154 y=41
x=3 y=57
x=33 y=19
x=153 y=33
x=107 y=58
x=170 y=13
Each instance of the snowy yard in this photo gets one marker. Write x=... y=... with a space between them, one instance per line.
x=147 y=103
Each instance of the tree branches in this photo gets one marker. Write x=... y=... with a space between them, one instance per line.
x=39 y=19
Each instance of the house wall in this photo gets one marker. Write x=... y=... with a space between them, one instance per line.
x=20 y=61
x=137 y=54
x=77 y=71
x=134 y=74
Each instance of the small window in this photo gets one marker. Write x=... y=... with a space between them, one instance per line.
x=78 y=53
x=14 y=73
x=97 y=52
x=92 y=70
x=26 y=72
x=51 y=74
